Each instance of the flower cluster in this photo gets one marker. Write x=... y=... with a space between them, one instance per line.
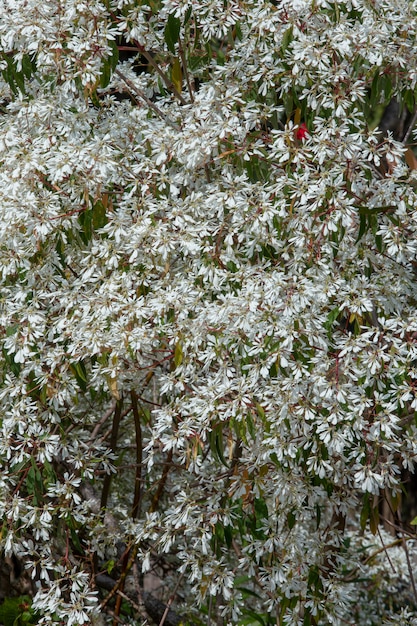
x=208 y=307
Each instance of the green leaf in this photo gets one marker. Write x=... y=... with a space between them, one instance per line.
x=408 y=98
x=375 y=92
x=288 y=103
x=85 y=220
x=34 y=483
x=114 y=57
x=261 y=509
x=80 y=374
x=255 y=616
x=228 y=535
x=105 y=73
x=291 y=519
x=331 y=318
x=188 y=14
x=172 y=32
x=194 y=62
x=216 y=444
x=49 y=475
x=178 y=354
x=250 y=424
x=363 y=226
x=287 y=39
x=99 y=218
x=14 y=611
x=365 y=513
x=220 y=57
x=386 y=86
x=176 y=75
x=27 y=66
x=374 y=520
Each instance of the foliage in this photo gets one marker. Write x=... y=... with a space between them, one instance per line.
x=17 y=612
x=208 y=308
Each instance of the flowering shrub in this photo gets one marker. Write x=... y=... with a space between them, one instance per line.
x=208 y=309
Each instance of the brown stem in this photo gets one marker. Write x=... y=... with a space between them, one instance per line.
x=187 y=76
x=410 y=127
x=170 y=601
x=138 y=477
x=99 y=424
x=113 y=444
x=142 y=96
x=407 y=555
x=162 y=483
x=162 y=74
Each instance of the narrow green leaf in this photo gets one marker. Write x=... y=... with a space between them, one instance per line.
x=114 y=57
x=176 y=75
x=318 y=515
x=291 y=519
x=27 y=66
x=363 y=226
x=365 y=513
x=105 y=73
x=286 y=39
x=374 y=520
x=172 y=32
x=178 y=354
x=188 y=14
x=99 y=215
x=228 y=535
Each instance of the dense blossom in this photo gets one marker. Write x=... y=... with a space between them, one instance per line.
x=208 y=306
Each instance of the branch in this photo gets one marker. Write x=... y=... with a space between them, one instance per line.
x=154 y=607
x=113 y=443
x=145 y=98
x=169 y=84
x=410 y=127
x=162 y=483
x=138 y=477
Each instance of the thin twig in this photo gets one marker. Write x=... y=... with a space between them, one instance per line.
x=170 y=601
x=145 y=98
x=113 y=444
x=169 y=84
x=131 y=602
x=99 y=424
x=411 y=125
x=386 y=552
x=384 y=548
x=187 y=76
x=138 y=443
x=161 y=485
x=114 y=616
x=407 y=555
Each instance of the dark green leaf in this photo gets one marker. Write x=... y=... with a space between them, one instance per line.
x=363 y=226
x=188 y=14
x=318 y=515
x=172 y=32
x=287 y=39
x=27 y=66
x=228 y=535
x=105 y=73
x=291 y=519
x=114 y=57
x=365 y=513
x=99 y=215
